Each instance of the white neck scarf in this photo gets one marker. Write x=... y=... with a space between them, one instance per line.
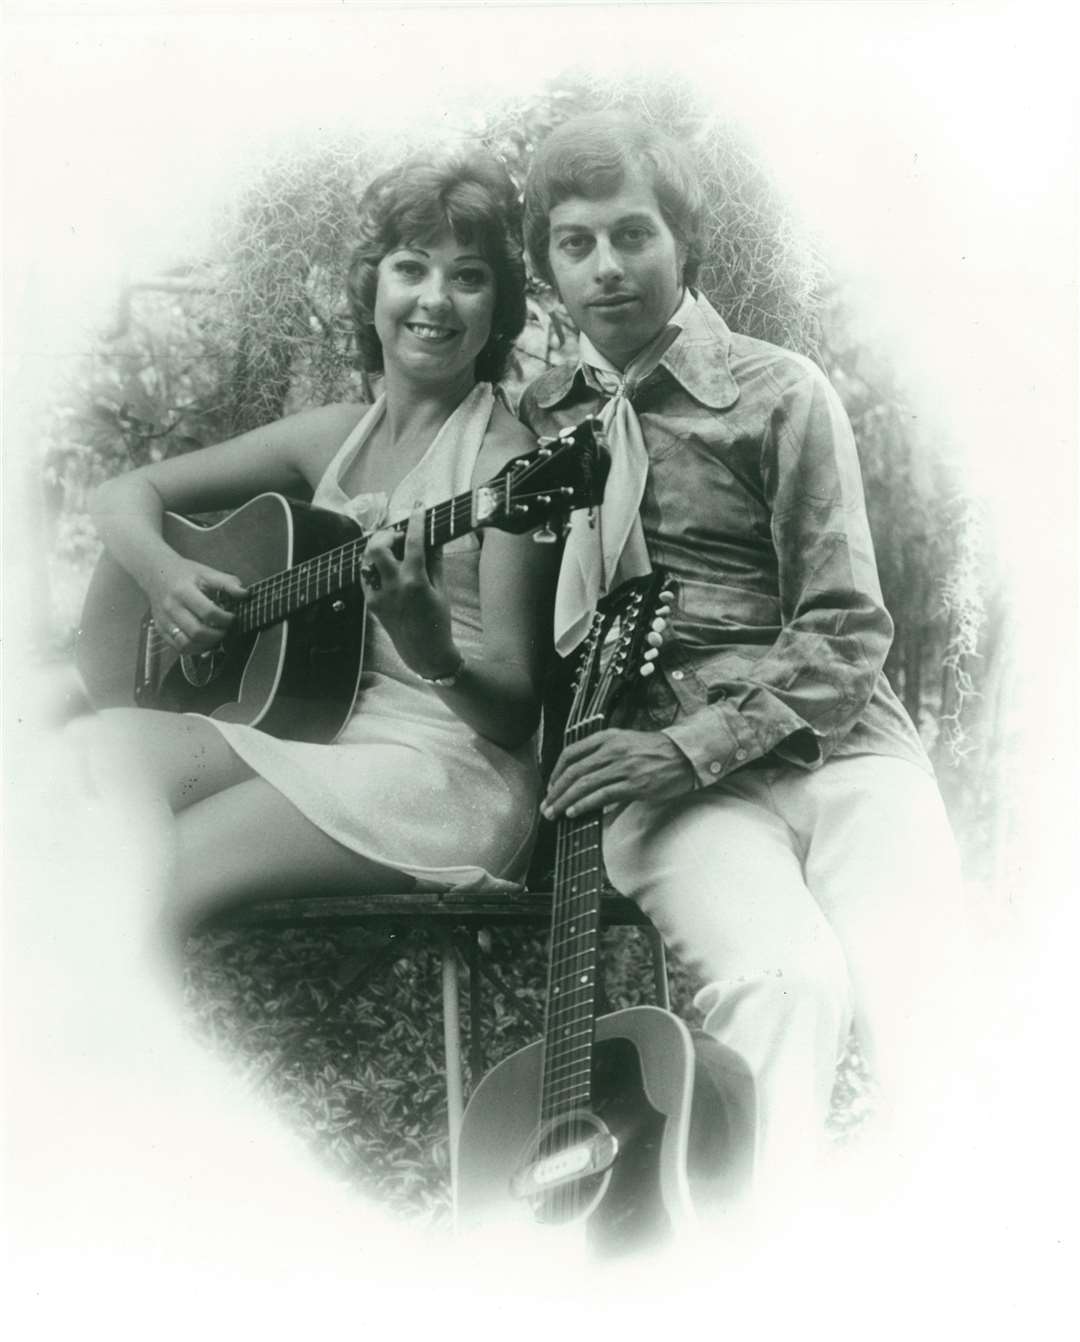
x=607 y=546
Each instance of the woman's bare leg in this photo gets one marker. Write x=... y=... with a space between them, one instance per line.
x=227 y=834
x=247 y=841
x=182 y=759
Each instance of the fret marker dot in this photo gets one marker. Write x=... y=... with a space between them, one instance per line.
x=584 y=978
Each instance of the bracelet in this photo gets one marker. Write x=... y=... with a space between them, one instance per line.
x=447 y=681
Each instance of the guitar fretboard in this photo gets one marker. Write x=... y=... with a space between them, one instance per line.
x=571 y=997
x=283 y=594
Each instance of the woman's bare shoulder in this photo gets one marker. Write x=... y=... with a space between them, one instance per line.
x=327 y=424
x=505 y=439
x=315 y=435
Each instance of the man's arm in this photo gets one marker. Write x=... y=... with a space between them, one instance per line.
x=812 y=685
x=816 y=680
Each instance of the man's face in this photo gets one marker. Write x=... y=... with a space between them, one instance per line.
x=617 y=267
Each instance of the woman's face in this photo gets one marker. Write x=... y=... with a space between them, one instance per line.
x=433 y=309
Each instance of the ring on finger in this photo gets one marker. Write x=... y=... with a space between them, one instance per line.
x=371 y=576
x=175 y=631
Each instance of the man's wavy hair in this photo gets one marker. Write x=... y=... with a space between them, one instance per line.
x=472 y=195
x=590 y=156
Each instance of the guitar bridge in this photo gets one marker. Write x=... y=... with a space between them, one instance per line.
x=146 y=664
x=581 y=1159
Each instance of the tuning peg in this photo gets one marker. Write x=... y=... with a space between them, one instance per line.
x=658 y=626
x=648 y=669
x=652 y=654
x=663 y=610
x=665 y=595
x=568 y=432
x=653 y=640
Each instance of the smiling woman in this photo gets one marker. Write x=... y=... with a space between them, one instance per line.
x=433 y=307
x=432 y=781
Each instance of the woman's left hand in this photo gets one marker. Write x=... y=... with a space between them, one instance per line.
x=409 y=598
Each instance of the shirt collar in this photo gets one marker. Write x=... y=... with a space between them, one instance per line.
x=699 y=360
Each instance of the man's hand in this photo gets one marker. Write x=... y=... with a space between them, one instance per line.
x=616 y=766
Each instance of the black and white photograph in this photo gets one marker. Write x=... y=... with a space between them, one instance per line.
x=540 y=589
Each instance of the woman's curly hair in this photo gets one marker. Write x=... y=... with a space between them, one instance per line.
x=472 y=195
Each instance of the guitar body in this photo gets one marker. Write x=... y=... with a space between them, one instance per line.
x=296 y=678
x=290 y=662
x=679 y=1106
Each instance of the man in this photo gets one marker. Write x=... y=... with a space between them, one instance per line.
x=769 y=804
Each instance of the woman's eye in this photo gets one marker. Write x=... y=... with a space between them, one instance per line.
x=473 y=277
x=409 y=269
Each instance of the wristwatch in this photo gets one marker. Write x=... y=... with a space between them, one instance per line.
x=449 y=680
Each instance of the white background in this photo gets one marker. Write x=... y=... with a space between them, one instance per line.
x=935 y=148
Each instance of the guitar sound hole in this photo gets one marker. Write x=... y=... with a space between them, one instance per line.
x=200 y=669
x=569 y=1200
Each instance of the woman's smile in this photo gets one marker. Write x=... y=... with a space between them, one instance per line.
x=431 y=334
x=433 y=308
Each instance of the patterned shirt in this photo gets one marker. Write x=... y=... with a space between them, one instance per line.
x=754 y=504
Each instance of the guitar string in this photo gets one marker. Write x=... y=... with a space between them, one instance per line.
x=283 y=587
x=566 y=1195
x=562 y=1202
x=443 y=513
x=574 y=962
x=287 y=583
x=586 y=840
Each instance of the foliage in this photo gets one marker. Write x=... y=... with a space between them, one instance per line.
x=361 y=1077
x=258 y=326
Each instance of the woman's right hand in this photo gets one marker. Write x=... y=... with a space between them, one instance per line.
x=185 y=602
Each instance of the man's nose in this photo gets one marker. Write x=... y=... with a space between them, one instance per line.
x=608 y=261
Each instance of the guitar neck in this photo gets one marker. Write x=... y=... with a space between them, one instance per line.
x=283 y=594
x=570 y=1019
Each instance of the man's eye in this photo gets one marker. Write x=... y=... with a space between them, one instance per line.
x=576 y=244
x=634 y=237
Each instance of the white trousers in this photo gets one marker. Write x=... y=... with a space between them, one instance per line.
x=805 y=900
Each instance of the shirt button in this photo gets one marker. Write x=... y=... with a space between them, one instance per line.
x=677 y=675
x=740 y=754
x=716 y=767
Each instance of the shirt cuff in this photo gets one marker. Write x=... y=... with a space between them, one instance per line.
x=717 y=740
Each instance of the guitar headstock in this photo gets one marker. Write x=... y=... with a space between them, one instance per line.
x=621 y=647
x=541 y=488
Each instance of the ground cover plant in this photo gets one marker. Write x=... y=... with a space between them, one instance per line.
x=362 y=1081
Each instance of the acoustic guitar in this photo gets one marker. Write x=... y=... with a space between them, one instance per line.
x=629 y=1125
x=291 y=660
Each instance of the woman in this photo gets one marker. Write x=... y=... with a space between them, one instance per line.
x=433 y=782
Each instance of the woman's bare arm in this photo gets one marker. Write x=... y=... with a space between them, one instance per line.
x=288 y=456
x=497 y=692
